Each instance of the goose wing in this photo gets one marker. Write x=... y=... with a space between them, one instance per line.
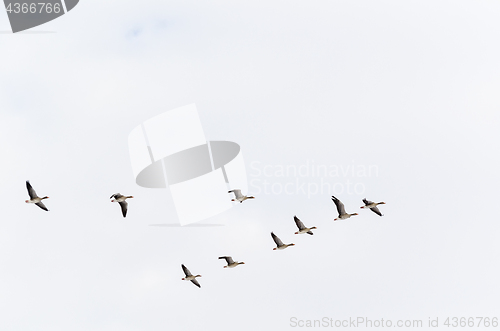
x=376 y=210
x=31 y=191
x=367 y=202
x=276 y=239
x=340 y=205
x=124 y=205
x=237 y=193
x=186 y=270
x=195 y=282
x=228 y=259
x=116 y=196
x=41 y=205
x=299 y=223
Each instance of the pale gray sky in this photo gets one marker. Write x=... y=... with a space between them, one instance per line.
x=410 y=87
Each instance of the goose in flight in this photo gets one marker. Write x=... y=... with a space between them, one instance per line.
x=373 y=206
x=279 y=243
x=340 y=208
x=189 y=276
x=35 y=198
x=121 y=200
x=302 y=228
x=239 y=197
x=230 y=262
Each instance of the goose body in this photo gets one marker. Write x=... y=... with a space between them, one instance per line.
x=341 y=210
x=302 y=228
x=34 y=198
x=121 y=201
x=230 y=262
x=372 y=206
x=239 y=197
x=190 y=276
x=279 y=243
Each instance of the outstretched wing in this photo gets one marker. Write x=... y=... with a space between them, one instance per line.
x=124 y=205
x=376 y=210
x=116 y=196
x=367 y=202
x=195 y=282
x=41 y=205
x=310 y=232
x=31 y=191
x=186 y=270
x=339 y=204
x=237 y=193
x=276 y=239
x=228 y=259
x=299 y=223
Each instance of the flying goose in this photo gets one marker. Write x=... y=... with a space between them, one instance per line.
x=230 y=262
x=239 y=197
x=279 y=243
x=340 y=208
x=35 y=198
x=372 y=206
x=121 y=200
x=189 y=276
x=301 y=226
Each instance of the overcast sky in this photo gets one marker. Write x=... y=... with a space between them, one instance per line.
x=408 y=89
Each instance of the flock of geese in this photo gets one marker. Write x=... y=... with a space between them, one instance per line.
x=121 y=199
x=34 y=198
